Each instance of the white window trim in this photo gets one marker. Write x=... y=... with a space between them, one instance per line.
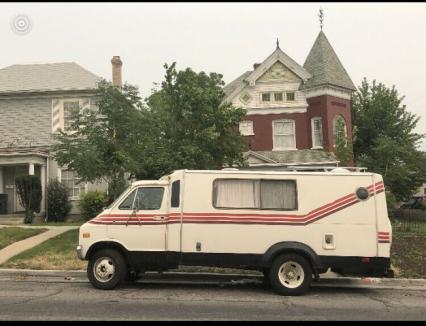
x=283 y=95
x=291 y=101
x=294 y=135
x=270 y=97
x=312 y=132
x=252 y=129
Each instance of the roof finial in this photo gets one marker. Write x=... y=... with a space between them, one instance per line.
x=321 y=17
x=278 y=43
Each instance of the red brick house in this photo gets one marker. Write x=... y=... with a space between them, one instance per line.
x=293 y=111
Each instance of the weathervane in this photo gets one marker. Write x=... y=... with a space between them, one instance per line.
x=321 y=17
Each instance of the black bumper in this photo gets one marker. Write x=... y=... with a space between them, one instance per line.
x=359 y=266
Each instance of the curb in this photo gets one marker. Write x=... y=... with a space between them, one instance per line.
x=208 y=278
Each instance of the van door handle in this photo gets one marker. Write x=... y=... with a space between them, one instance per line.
x=159 y=218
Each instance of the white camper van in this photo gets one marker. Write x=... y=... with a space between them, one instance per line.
x=292 y=225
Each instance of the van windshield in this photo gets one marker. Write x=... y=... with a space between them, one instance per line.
x=118 y=198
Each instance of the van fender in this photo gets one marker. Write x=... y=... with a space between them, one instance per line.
x=106 y=244
x=293 y=247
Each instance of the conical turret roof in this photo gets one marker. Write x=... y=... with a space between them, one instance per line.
x=325 y=67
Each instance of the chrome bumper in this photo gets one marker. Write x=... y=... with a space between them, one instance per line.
x=79 y=250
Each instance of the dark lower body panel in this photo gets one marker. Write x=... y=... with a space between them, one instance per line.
x=361 y=266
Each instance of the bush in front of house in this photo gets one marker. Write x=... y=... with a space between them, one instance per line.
x=92 y=203
x=58 y=204
x=29 y=192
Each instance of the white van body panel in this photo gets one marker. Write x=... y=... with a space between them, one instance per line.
x=327 y=208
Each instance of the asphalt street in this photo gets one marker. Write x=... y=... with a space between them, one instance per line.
x=31 y=299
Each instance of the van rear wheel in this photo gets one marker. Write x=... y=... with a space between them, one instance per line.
x=290 y=274
x=106 y=269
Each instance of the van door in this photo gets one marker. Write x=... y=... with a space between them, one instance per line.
x=139 y=221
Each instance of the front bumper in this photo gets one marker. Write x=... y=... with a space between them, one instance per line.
x=79 y=251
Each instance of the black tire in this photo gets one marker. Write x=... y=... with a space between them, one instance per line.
x=107 y=259
x=298 y=279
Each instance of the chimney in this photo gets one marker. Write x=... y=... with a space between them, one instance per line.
x=116 y=71
x=256 y=65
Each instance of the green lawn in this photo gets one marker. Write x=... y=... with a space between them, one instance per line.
x=9 y=235
x=56 y=253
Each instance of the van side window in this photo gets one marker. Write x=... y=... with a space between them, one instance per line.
x=255 y=194
x=149 y=198
x=128 y=202
x=175 y=194
x=278 y=194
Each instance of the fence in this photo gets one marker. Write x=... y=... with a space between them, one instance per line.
x=408 y=220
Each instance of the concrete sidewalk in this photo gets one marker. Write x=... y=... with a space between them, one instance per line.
x=20 y=246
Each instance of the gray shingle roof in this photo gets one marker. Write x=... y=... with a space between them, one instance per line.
x=232 y=86
x=326 y=68
x=301 y=156
x=46 y=77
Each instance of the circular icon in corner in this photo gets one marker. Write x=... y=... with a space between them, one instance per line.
x=21 y=24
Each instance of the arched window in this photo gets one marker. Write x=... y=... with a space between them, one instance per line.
x=339 y=129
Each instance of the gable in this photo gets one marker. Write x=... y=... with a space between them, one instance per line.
x=279 y=72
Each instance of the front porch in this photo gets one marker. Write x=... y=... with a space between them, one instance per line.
x=13 y=165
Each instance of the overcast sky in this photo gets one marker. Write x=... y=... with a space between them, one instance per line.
x=382 y=41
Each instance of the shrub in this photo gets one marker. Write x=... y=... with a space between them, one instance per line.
x=29 y=192
x=58 y=205
x=92 y=203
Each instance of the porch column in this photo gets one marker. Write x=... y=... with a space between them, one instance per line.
x=31 y=168
x=1 y=180
x=43 y=188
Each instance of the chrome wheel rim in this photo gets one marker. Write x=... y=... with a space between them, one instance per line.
x=291 y=274
x=104 y=269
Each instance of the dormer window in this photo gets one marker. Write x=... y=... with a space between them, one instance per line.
x=266 y=97
x=290 y=96
x=278 y=97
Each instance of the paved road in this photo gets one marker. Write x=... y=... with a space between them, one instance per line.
x=35 y=300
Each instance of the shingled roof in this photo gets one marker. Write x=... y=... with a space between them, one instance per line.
x=62 y=76
x=326 y=68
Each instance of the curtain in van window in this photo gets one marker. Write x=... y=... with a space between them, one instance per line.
x=278 y=194
x=237 y=193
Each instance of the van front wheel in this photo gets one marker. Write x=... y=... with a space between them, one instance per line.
x=106 y=269
x=290 y=274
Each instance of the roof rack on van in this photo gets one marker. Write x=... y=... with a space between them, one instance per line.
x=327 y=168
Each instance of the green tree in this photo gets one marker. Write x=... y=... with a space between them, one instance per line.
x=386 y=142
x=190 y=125
x=343 y=147
x=102 y=142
